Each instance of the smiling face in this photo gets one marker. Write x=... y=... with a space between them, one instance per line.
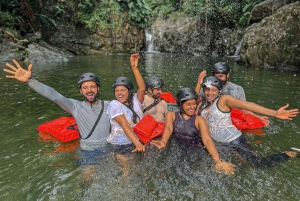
x=121 y=94
x=90 y=90
x=155 y=93
x=211 y=93
x=189 y=107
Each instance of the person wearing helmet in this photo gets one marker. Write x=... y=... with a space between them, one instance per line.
x=153 y=104
x=126 y=110
x=85 y=112
x=190 y=129
x=222 y=71
x=216 y=110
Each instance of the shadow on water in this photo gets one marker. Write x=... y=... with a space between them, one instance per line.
x=37 y=168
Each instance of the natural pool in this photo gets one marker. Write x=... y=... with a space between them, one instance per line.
x=35 y=169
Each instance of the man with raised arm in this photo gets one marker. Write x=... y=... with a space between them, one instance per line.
x=93 y=132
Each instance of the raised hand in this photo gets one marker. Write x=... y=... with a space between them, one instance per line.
x=158 y=143
x=201 y=77
x=134 y=60
x=286 y=114
x=225 y=167
x=18 y=72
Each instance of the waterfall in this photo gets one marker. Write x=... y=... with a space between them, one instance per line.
x=238 y=49
x=149 y=41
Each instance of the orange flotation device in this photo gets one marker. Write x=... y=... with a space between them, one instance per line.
x=62 y=146
x=168 y=97
x=64 y=128
x=148 y=128
x=245 y=121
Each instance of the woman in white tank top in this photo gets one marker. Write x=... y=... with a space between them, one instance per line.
x=216 y=109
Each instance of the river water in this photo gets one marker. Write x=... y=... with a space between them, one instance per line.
x=35 y=167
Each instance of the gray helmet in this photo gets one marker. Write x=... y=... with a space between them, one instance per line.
x=88 y=77
x=221 y=67
x=212 y=81
x=154 y=82
x=185 y=94
x=122 y=81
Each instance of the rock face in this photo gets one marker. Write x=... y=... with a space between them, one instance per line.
x=30 y=48
x=186 y=35
x=275 y=41
x=266 y=8
x=82 y=42
x=180 y=35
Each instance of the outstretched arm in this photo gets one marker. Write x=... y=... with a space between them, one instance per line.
x=121 y=120
x=134 y=61
x=226 y=102
x=23 y=75
x=170 y=116
x=18 y=72
x=264 y=119
x=227 y=168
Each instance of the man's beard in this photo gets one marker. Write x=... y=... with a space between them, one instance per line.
x=91 y=100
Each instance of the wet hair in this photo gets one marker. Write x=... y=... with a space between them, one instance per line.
x=130 y=106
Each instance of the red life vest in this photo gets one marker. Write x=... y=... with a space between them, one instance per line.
x=64 y=128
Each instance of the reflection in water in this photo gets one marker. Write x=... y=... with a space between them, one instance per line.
x=34 y=169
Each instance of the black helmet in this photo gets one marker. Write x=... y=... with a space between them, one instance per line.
x=88 y=77
x=123 y=81
x=154 y=82
x=185 y=94
x=221 y=67
x=212 y=81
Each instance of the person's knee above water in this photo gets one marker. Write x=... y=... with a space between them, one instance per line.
x=153 y=104
x=190 y=129
x=126 y=110
x=216 y=108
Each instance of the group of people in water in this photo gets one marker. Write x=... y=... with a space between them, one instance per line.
x=203 y=118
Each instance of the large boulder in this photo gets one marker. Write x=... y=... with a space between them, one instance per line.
x=266 y=8
x=181 y=35
x=274 y=42
x=28 y=48
x=186 y=35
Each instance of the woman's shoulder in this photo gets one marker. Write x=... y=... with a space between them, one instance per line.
x=115 y=103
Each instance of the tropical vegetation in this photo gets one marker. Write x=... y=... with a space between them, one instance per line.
x=31 y=15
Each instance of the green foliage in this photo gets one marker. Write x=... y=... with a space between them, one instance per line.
x=6 y=19
x=161 y=8
x=247 y=11
x=47 y=21
x=138 y=12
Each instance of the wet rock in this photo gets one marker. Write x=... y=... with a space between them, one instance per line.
x=266 y=8
x=44 y=52
x=181 y=35
x=274 y=42
x=16 y=47
x=33 y=37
